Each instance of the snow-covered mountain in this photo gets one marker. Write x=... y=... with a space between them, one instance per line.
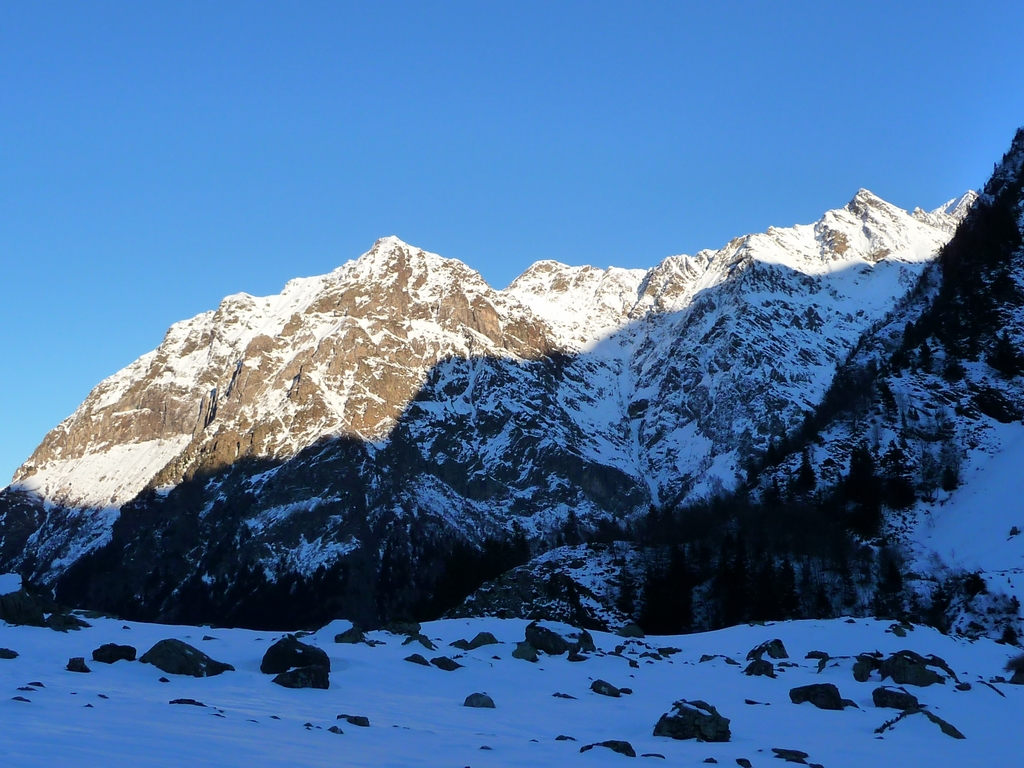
x=363 y=416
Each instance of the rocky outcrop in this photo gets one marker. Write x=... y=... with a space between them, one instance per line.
x=314 y=676
x=693 y=720
x=821 y=695
x=479 y=701
x=176 y=657
x=289 y=652
x=108 y=653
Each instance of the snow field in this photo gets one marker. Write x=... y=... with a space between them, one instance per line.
x=417 y=717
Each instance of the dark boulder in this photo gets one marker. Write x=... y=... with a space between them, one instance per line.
x=23 y=608
x=403 y=627
x=178 y=658
x=605 y=689
x=479 y=701
x=417 y=659
x=864 y=666
x=422 y=640
x=615 y=745
x=189 y=702
x=630 y=630
x=821 y=695
x=481 y=639
x=693 y=720
x=774 y=648
x=543 y=639
x=909 y=668
x=360 y=721
x=77 y=664
x=791 y=755
x=443 y=662
x=525 y=651
x=290 y=652
x=108 y=653
x=894 y=698
x=350 y=635
x=63 y=622
x=760 y=668
x=7 y=653
x=313 y=676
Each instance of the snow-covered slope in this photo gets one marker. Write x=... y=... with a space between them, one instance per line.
x=401 y=396
x=121 y=713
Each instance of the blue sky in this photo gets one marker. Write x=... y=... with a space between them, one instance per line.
x=155 y=157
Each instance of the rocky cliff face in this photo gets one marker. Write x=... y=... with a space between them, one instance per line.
x=400 y=400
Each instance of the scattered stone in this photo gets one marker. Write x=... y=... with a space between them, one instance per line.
x=481 y=639
x=791 y=755
x=945 y=727
x=20 y=698
x=103 y=695
x=37 y=684
x=164 y=680
x=817 y=655
x=710 y=760
x=543 y=639
x=7 y=653
x=752 y=702
x=28 y=688
x=963 y=686
x=525 y=651
x=178 y=658
x=626 y=691
x=290 y=652
x=894 y=698
x=22 y=608
x=743 y=762
x=909 y=668
x=669 y=650
x=443 y=662
x=357 y=720
x=821 y=695
x=403 y=627
x=615 y=745
x=77 y=664
x=864 y=666
x=575 y=655
x=190 y=702
x=561 y=737
x=760 y=668
x=417 y=659
x=605 y=689
x=726 y=659
x=479 y=701
x=630 y=630
x=209 y=637
x=108 y=653
x=774 y=648
x=422 y=640
x=563 y=696
x=335 y=729
x=88 y=706
x=63 y=622
x=313 y=676
x=653 y=754
x=352 y=635
x=486 y=748
x=693 y=720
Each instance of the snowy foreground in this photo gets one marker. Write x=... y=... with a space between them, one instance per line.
x=120 y=714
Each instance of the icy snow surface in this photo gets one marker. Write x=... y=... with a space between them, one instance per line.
x=417 y=718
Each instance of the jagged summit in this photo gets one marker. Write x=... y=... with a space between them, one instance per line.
x=438 y=398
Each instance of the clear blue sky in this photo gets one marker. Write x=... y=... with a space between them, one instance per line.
x=155 y=157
